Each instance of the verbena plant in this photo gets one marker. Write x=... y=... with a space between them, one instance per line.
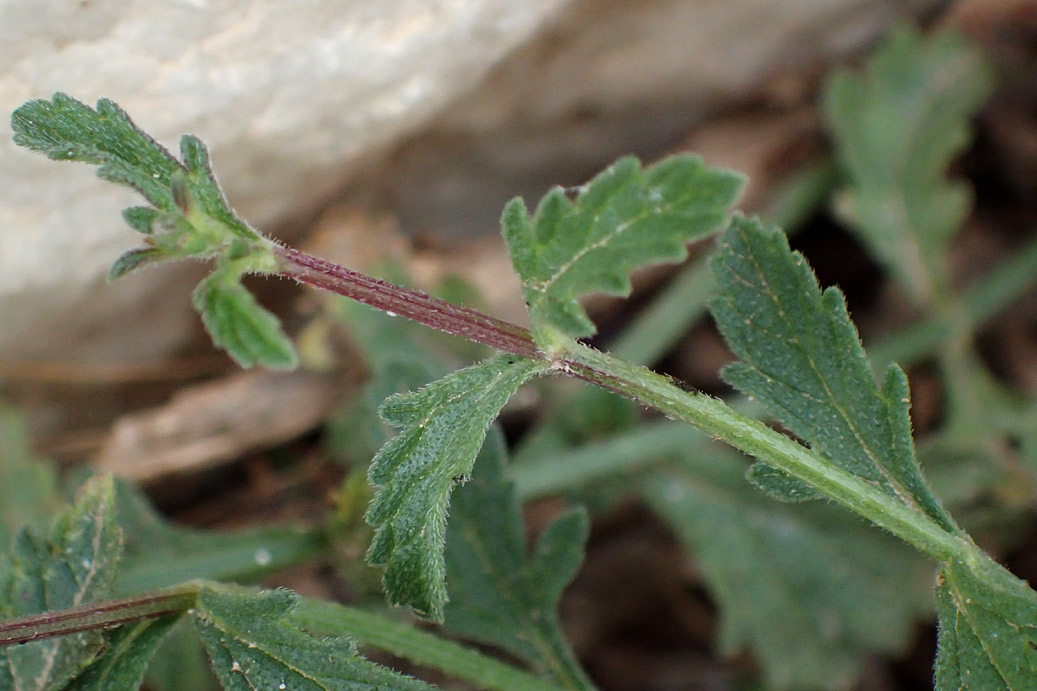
x=91 y=600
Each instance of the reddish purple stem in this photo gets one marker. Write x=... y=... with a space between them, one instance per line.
x=433 y=312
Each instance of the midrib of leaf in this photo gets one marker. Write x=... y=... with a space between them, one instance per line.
x=975 y=626
x=430 y=467
x=875 y=458
x=548 y=653
x=755 y=439
x=601 y=242
x=77 y=599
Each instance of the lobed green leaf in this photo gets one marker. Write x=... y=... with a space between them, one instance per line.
x=811 y=590
x=66 y=130
x=237 y=323
x=800 y=354
x=987 y=636
x=127 y=652
x=181 y=662
x=624 y=218
x=897 y=126
x=253 y=644
x=442 y=427
x=131 y=260
x=75 y=565
x=399 y=356
x=205 y=191
x=501 y=594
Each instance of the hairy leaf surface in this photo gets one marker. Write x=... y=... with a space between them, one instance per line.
x=897 y=126
x=254 y=645
x=128 y=650
x=237 y=323
x=442 y=427
x=624 y=218
x=987 y=631
x=400 y=356
x=75 y=565
x=800 y=354
x=811 y=590
x=500 y=593
x=66 y=130
x=181 y=662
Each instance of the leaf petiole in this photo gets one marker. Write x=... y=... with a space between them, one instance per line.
x=103 y=615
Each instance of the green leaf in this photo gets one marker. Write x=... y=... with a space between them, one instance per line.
x=204 y=190
x=779 y=484
x=66 y=130
x=191 y=217
x=253 y=645
x=624 y=218
x=897 y=126
x=987 y=631
x=237 y=323
x=159 y=554
x=128 y=650
x=801 y=356
x=399 y=357
x=181 y=662
x=501 y=594
x=75 y=565
x=132 y=260
x=809 y=588
x=442 y=428
x=140 y=218
x=29 y=491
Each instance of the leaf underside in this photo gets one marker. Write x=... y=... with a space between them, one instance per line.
x=800 y=354
x=75 y=565
x=500 y=594
x=624 y=218
x=442 y=427
x=254 y=645
x=897 y=126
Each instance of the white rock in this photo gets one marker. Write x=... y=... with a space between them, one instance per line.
x=288 y=95
x=293 y=97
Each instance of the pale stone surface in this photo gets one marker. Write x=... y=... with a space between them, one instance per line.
x=289 y=96
x=294 y=98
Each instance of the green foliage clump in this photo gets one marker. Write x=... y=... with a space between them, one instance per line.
x=811 y=588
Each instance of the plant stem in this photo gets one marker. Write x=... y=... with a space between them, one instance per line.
x=754 y=438
x=418 y=646
x=438 y=314
x=103 y=615
x=645 y=445
x=710 y=415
